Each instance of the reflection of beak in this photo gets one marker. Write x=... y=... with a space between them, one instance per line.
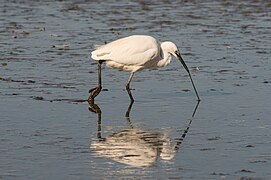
x=186 y=68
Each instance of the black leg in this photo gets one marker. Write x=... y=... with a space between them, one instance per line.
x=128 y=87
x=95 y=91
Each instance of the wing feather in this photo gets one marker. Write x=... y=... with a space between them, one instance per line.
x=132 y=50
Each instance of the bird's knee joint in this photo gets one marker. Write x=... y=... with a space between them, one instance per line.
x=127 y=87
x=101 y=61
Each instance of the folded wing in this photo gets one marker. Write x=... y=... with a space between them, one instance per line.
x=132 y=50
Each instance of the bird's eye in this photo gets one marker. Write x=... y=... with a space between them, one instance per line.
x=177 y=52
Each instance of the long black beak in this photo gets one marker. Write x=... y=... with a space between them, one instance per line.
x=186 y=68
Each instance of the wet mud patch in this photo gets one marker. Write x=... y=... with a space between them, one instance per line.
x=46 y=72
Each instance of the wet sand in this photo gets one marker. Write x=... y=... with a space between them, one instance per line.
x=45 y=66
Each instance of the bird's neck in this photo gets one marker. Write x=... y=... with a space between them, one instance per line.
x=166 y=58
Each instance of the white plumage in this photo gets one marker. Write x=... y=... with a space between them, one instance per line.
x=135 y=53
x=132 y=54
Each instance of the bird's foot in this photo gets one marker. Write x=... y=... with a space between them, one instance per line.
x=131 y=89
x=90 y=91
x=93 y=93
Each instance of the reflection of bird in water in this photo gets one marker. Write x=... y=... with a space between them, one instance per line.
x=133 y=146
x=133 y=54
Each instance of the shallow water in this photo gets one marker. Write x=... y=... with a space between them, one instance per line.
x=45 y=65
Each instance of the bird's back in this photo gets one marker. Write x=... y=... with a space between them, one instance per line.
x=132 y=50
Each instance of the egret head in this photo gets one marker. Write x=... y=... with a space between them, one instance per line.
x=171 y=48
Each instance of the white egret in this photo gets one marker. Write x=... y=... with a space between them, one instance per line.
x=135 y=53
